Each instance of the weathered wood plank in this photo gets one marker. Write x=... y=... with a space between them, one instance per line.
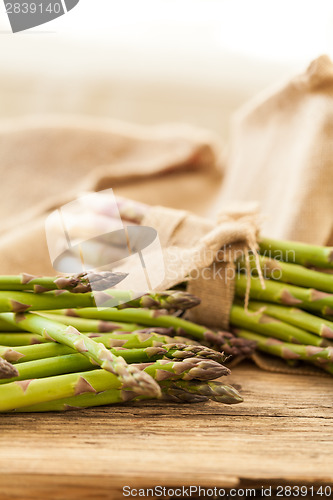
x=283 y=432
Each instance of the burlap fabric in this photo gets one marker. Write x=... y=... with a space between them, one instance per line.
x=281 y=154
x=45 y=163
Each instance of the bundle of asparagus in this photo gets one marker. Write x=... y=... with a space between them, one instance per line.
x=53 y=358
x=292 y=315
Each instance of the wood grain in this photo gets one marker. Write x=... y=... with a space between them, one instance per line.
x=281 y=434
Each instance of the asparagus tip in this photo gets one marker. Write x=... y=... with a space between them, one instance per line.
x=7 y=370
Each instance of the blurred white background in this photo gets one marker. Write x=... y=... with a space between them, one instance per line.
x=152 y=61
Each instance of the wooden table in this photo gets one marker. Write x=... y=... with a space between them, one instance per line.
x=281 y=434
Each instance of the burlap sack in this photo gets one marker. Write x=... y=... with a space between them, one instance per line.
x=46 y=162
x=281 y=155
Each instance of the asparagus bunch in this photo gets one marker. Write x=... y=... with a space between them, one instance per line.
x=219 y=340
x=291 y=316
x=26 y=392
x=52 y=357
x=65 y=360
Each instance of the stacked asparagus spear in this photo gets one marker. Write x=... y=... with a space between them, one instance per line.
x=58 y=351
x=292 y=315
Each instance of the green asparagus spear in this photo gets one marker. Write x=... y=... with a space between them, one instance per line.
x=272 y=327
x=191 y=368
x=298 y=253
x=20 y=339
x=171 y=299
x=76 y=283
x=296 y=317
x=86 y=400
x=97 y=352
x=90 y=325
x=138 y=339
x=282 y=293
x=179 y=391
x=290 y=273
x=142 y=316
x=287 y=350
x=22 y=354
x=27 y=301
x=29 y=392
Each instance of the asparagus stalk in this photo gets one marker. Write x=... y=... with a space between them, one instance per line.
x=29 y=392
x=296 y=317
x=172 y=299
x=20 y=339
x=135 y=340
x=87 y=400
x=191 y=368
x=97 y=352
x=71 y=363
x=272 y=327
x=282 y=293
x=13 y=339
x=179 y=391
x=298 y=253
x=139 y=339
x=290 y=273
x=22 y=354
x=220 y=340
x=7 y=370
x=26 y=301
x=108 y=339
x=287 y=350
x=142 y=316
x=90 y=325
x=76 y=283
